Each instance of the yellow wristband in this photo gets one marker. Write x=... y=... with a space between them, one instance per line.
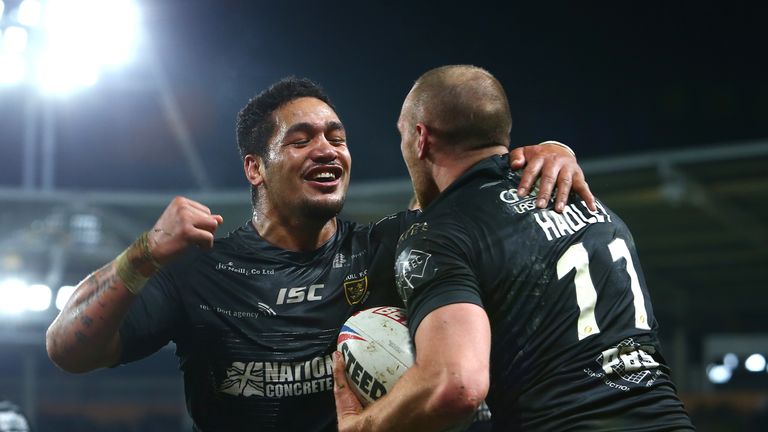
x=131 y=278
x=559 y=144
x=145 y=252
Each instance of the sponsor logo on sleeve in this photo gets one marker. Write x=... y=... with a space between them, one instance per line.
x=410 y=266
x=414 y=229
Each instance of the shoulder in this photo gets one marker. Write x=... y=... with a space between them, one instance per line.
x=347 y=227
x=441 y=229
x=482 y=190
x=391 y=226
x=195 y=259
x=237 y=237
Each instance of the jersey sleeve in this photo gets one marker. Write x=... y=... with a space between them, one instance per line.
x=153 y=318
x=383 y=237
x=434 y=269
x=387 y=230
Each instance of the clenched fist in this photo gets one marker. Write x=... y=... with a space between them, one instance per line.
x=183 y=223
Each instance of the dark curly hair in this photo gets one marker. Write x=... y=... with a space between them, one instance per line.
x=255 y=124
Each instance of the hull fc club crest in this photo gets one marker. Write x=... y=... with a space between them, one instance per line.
x=355 y=290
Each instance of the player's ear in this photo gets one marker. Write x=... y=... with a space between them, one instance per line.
x=254 y=169
x=424 y=143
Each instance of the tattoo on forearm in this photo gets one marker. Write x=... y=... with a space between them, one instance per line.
x=93 y=289
x=101 y=280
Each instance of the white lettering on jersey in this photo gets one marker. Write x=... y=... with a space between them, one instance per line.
x=262 y=309
x=414 y=229
x=628 y=363
x=516 y=202
x=572 y=220
x=620 y=362
x=234 y=268
x=413 y=265
x=278 y=379
x=339 y=260
x=299 y=294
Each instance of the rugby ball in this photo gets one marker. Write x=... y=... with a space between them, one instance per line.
x=377 y=350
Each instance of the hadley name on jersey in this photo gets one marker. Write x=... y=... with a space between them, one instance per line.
x=574 y=337
x=255 y=325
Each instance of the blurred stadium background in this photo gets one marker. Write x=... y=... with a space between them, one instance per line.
x=109 y=108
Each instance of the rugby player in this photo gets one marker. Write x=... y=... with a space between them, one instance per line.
x=546 y=316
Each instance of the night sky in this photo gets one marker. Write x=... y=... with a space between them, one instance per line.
x=607 y=78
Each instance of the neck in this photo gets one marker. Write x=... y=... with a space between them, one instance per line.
x=292 y=233
x=448 y=166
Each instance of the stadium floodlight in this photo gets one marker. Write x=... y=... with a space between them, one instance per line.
x=62 y=297
x=83 y=36
x=731 y=361
x=12 y=300
x=15 y=39
x=755 y=363
x=59 y=74
x=29 y=13
x=38 y=297
x=119 y=21
x=719 y=374
x=13 y=68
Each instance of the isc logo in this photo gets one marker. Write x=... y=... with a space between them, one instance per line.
x=299 y=294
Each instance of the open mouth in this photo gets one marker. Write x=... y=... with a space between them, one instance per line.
x=324 y=174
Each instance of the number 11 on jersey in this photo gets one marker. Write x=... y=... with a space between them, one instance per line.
x=577 y=257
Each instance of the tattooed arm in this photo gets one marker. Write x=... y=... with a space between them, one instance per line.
x=85 y=336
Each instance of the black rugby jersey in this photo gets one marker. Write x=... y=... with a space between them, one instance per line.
x=255 y=325
x=574 y=339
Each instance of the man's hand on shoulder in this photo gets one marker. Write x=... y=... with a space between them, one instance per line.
x=558 y=169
